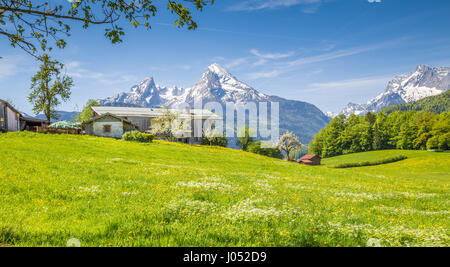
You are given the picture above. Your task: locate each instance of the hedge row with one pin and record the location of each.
(137, 136)
(370, 163)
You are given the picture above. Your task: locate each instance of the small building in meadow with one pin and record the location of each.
(310, 160)
(32, 124)
(108, 125)
(145, 119)
(9, 117)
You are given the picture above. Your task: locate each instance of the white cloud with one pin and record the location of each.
(374, 1)
(250, 5)
(357, 83)
(330, 56)
(236, 62)
(260, 62)
(279, 68)
(271, 56)
(255, 59)
(264, 74)
(12, 65)
(75, 69)
(283, 67)
(185, 67)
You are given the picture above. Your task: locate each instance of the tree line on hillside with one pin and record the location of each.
(399, 130)
(438, 103)
(287, 146)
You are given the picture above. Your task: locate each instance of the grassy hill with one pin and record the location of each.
(108, 192)
(439, 103)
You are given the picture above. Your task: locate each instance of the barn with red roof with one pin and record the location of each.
(310, 160)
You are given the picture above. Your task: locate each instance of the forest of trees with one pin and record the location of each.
(438, 103)
(398, 130)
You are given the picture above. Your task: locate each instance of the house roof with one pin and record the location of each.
(305, 161)
(108, 115)
(10, 106)
(309, 157)
(33, 120)
(155, 112)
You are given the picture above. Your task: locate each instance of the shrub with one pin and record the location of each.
(215, 141)
(137, 136)
(269, 151)
(370, 163)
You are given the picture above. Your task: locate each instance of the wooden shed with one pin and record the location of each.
(310, 160)
(31, 124)
(9, 117)
(108, 125)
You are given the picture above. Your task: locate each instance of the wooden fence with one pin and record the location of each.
(58, 131)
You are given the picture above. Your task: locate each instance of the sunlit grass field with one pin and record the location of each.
(107, 192)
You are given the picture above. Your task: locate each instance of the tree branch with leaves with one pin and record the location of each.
(33, 25)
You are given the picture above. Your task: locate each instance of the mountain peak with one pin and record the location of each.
(217, 69)
(148, 80)
(422, 68)
(145, 86)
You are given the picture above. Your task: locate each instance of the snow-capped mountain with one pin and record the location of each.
(423, 82)
(145, 94)
(218, 85)
(331, 114)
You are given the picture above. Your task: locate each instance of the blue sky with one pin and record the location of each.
(326, 52)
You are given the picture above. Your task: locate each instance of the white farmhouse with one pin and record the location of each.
(108, 125)
(122, 119)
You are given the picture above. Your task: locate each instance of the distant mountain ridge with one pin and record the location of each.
(218, 85)
(423, 82)
(63, 116)
(438, 104)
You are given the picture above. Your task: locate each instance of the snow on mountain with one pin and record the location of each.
(331, 114)
(423, 82)
(218, 85)
(145, 94)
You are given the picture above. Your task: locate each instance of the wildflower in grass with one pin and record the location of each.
(91, 189)
(207, 184)
(395, 235)
(282, 233)
(73, 242)
(373, 242)
(128, 193)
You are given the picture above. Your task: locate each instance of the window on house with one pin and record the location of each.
(106, 128)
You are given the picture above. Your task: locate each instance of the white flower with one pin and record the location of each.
(73, 242)
(373, 242)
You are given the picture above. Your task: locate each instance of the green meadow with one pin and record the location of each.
(107, 192)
